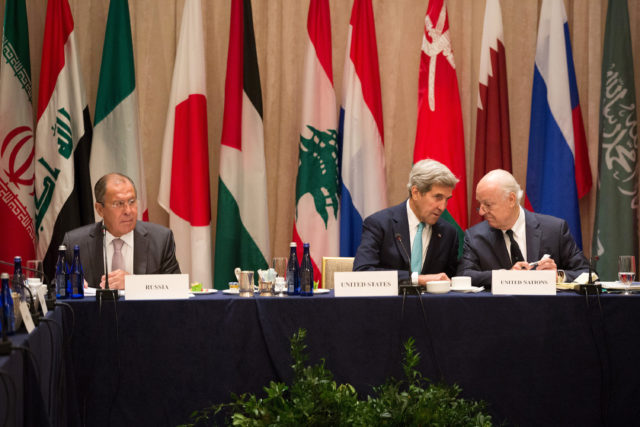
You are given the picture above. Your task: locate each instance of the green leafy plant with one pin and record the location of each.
(314, 399)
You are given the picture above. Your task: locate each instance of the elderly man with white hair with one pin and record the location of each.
(511, 238)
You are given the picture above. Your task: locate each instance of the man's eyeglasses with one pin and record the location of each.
(485, 206)
(120, 204)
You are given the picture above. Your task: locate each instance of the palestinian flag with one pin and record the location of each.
(63, 138)
(242, 229)
(17, 206)
(116, 144)
(184, 183)
(317, 186)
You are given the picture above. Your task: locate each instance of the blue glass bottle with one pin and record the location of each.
(76, 275)
(306, 273)
(293, 281)
(6, 303)
(61, 274)
(18, 279)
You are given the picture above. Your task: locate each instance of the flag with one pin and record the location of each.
(361, 133)
(116, 144)
(318, 183)
(439, 135)
(184, 181)
(557, 143)
(242, 229)
(493, 142)
(17, 207)
(63, 138)
(615, 230)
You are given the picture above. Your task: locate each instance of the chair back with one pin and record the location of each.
(332, 264)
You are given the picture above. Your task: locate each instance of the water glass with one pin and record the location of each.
(34, 264)
(280, 266)
(626, 271)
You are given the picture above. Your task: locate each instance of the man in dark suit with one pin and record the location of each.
(411, 236)
(512, 238)
(131, 245)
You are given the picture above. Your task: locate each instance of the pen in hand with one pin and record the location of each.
(533, 265)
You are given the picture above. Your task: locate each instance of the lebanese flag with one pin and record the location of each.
(558, 171)
(493, 141)
(439, 135)
(184, 179)
(364, 184)
(17, 206)
(64, 199)
(317, 186)
(116, 145)
(242, 230)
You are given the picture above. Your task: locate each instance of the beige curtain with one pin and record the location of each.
(280, 28)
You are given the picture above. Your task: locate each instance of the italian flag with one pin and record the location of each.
(317, 186)
(184, 182)
(242, 230)
(17, 206)
(64, 199)
(116, 144)
(439, 135)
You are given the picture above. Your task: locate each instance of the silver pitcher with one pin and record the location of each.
(245, 283)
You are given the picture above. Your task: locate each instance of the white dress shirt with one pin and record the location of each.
(426, 238)
(127, 250)
(519, 234)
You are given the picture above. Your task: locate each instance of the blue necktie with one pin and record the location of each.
(416, 250)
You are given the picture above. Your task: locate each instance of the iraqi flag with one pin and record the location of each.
(439, 135)
(184, 182)
(362, 170)
(63, 138)
(558, 170)
(318, 183)
(17, 207)
(493, 141)
(116, 145)
(242, 230)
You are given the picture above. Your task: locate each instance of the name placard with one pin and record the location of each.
(523, 282)
(156, 286)
(365, 283)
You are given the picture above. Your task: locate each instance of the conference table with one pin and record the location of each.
(536, 360)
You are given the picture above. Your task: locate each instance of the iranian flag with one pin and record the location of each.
(493, 141)
(242, 230)
(63, 138)
(317, 187)
(17, 206)
(116, 144)
(439, 135)
(184, 182)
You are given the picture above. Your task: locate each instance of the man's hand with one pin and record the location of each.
(521, 265)
(547, 264)
(116, 279)
(424, 278)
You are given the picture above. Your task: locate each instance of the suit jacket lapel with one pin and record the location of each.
(434, 246)
(140, 249)
(96, 254)
(534, 236)
(401, 226)
(498, 242)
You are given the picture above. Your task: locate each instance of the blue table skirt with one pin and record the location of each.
(537, 360)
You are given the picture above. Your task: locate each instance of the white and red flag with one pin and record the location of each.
(440, 135)
(317, 186)
(64, 199)
(184, 182)
(493, 141)
(17, 206)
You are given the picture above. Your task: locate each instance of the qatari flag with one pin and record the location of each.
(184, 183)
(493, 143)
(63, 198)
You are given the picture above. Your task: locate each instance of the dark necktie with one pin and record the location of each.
(516, 255)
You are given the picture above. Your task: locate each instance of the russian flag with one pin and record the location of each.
(558, 172)
(362, 170)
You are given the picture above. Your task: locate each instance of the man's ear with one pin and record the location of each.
(99, 208)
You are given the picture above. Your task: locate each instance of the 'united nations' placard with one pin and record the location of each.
(523, 282)
(156, 286)
(365, 283)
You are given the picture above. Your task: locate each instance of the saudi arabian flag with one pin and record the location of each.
(242, 230)
(615, 231)
(116, 145)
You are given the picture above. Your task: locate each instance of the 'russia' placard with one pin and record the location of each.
(523, 282)
(156, 286)
(365, 283)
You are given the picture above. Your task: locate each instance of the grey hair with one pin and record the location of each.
(506, 181)
(427, 173)
(100, 189)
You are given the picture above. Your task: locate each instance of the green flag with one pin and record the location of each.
(616, 225)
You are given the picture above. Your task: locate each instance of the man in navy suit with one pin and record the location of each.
(512, 238)
(411, 236)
